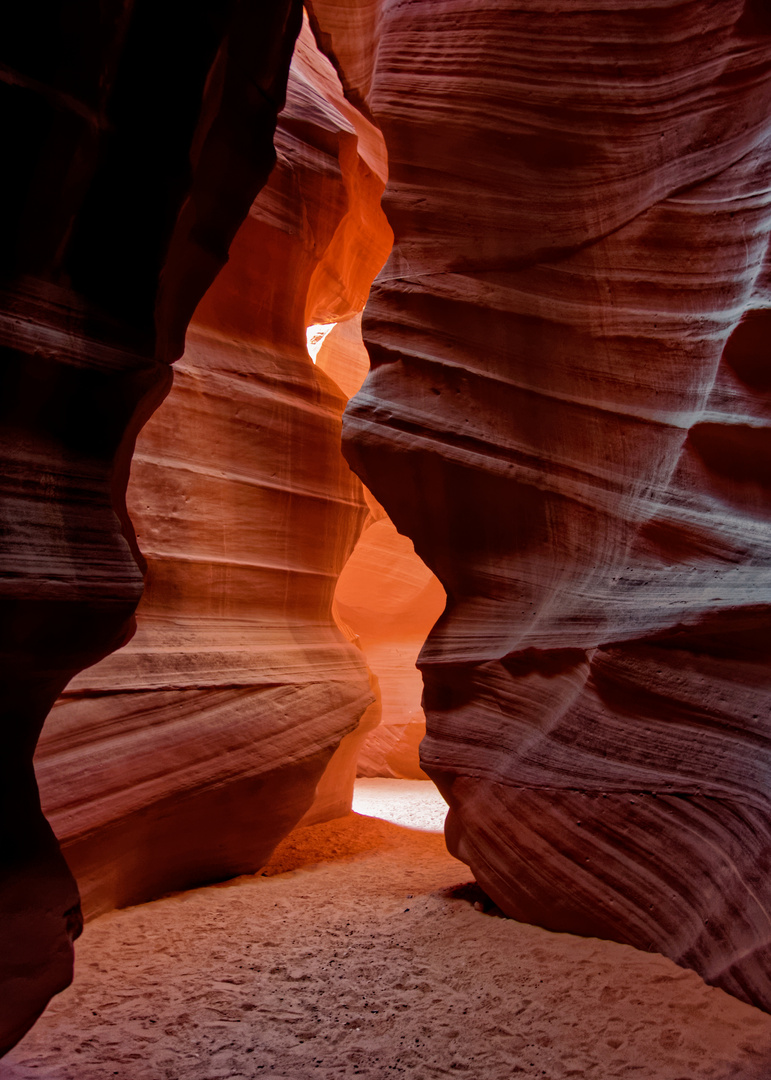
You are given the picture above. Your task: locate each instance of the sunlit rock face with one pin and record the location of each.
(187, 755)
(386, 600)
(568, 414)
(392, 600)
(116, 120)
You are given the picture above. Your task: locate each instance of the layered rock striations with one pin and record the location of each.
(188, 754)
(568, 414)
(113, 127)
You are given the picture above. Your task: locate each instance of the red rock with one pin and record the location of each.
(112, 122)
(343, 357)
(386, 599)
(391, 600)
(187, 755)
(568, 415)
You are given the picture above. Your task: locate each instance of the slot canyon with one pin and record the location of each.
(497, 538)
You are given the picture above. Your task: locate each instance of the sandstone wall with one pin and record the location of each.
(114, 122)
(391, 599)
(568, 414)
(188, 754)
(386, 599)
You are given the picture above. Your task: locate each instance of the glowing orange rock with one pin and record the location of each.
(187, 755)
(391, 599)
(387, 600)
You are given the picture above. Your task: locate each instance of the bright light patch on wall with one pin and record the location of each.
(315, 337)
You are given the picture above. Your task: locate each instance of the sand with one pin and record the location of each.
(355, 954)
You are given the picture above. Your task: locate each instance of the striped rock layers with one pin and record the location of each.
(568, 413)
(188, 754)
(114, 124)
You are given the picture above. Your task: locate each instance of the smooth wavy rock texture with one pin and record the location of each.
(114, 121)
(568, 414)
(187, 755)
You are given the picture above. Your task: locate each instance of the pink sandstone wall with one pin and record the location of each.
(567, 412)
(187, 755)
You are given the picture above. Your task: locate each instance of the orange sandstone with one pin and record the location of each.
(187, 755)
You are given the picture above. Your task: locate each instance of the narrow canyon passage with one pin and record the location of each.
(351, 956)
(543, 233)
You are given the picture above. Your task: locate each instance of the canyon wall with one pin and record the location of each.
(185, 756)
(568, 414)
(135, 138)
(386, 599)
(391, 599)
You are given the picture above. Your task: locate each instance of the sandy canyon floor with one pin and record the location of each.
(356, 954)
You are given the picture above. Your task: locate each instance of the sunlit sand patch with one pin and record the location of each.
(413, 804)
(362, 953)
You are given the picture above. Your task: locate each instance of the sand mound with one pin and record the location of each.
(358, 952)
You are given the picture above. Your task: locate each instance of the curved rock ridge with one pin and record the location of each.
(187, 755)
(568, 414)
(114, 121)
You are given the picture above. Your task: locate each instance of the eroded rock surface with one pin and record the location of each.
(386, 600)
(391, 599)
(187, 755)
(568, 413)
(113, 126)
